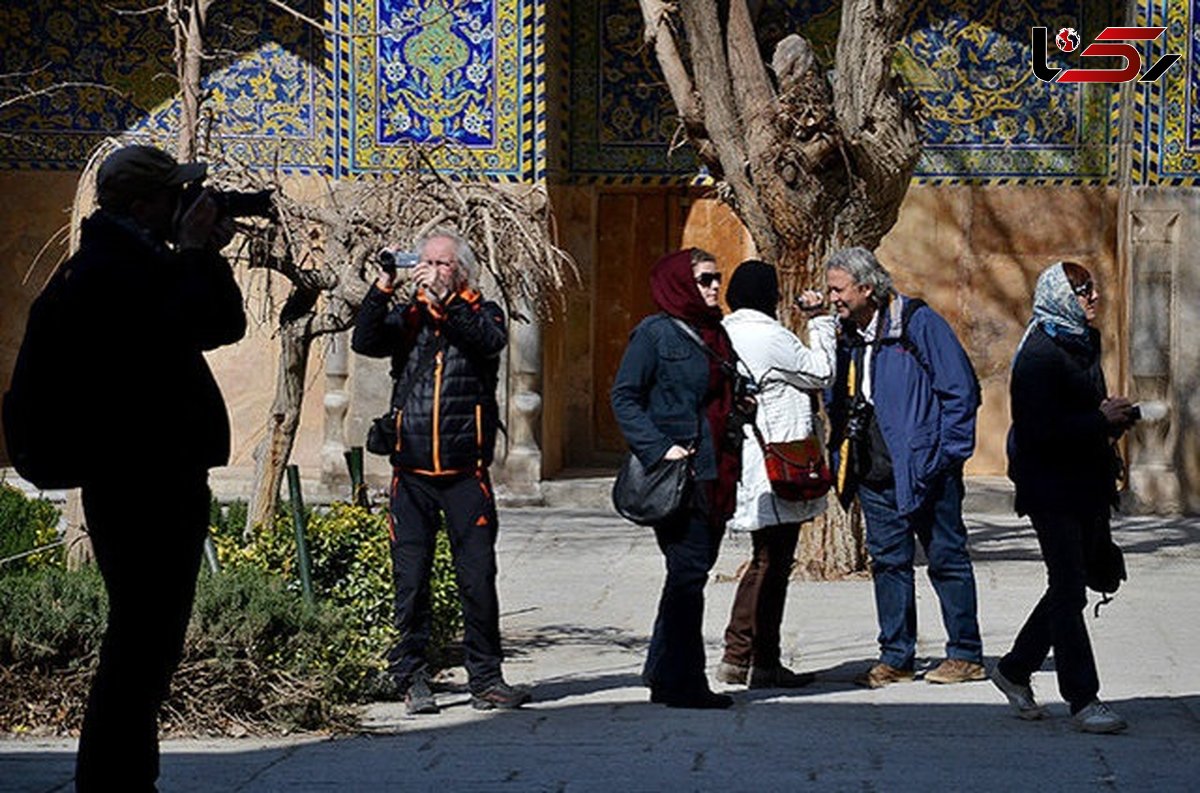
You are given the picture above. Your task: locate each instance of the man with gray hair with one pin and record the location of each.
(902, 414)
(445, 342)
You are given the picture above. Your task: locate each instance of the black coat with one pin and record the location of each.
(120, 332)
(448, 420)
(1060, 453)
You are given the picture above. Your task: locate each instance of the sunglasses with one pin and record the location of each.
(1086, 289)
(708, 279)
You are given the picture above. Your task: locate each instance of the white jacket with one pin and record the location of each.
(786, 371)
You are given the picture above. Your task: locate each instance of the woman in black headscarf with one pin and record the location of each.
(672, 399)
(788, 373)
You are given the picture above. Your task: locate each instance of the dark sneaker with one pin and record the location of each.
(779, 677)
(419, 698)
(956, 670)
(734, 674)
(1098, 718)
(1019, 696)
(501, 696)
(882, 674)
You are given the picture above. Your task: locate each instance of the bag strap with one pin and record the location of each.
(690, 332)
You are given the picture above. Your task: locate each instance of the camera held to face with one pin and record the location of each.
(390, 260)
(235, 203)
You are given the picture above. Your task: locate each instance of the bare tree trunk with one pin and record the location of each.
(79, 545)
(807, 166)
(273, 451)
(188, 18)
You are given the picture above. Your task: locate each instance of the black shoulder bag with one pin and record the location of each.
(649, 496)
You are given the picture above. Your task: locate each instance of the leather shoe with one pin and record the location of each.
(882, 674)
(701, 699)
(779, 677)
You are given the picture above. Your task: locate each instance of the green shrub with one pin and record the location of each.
(255, 655)
(25, 524)
(51, 618)
(351, 569)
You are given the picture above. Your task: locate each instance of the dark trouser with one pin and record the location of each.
(939, 526)
(675, 662)
(417, 505)
(148, 538)
(752, 636)
(1057, 620)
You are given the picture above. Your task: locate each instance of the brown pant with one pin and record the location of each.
(752, 636)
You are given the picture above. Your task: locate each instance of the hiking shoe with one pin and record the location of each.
(1098, 718)
(779, 677)
(734, 674)
(882, 674)
(1019, 696)
(956, 670)
(501, 696)
(418, 700)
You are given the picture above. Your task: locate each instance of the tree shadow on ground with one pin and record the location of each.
(1013, 539)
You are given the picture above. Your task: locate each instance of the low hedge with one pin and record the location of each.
(257, 657)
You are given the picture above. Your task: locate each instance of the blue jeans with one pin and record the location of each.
(939, 526)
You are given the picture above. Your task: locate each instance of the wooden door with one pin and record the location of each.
(633, 230)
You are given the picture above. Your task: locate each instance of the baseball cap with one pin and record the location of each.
(137, 171)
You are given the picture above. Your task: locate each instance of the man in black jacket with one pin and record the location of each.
(124, 324)
(444, 342)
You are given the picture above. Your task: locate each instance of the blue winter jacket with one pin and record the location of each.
(925, 399)
(658, 395)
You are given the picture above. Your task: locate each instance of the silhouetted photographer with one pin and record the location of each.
(111, 393)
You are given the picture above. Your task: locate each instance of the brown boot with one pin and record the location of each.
(956, 670)
(882, 674)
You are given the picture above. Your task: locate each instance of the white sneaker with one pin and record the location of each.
(1098, 718)
(1019, 696)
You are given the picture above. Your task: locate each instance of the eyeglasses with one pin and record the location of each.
(1086, 289)
(706, 280)
(439, 262)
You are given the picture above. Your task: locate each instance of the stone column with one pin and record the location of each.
(1154, 253)
(337, 401)
(522, 469)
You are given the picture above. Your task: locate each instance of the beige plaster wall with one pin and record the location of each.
(974, 254)
(36, 205)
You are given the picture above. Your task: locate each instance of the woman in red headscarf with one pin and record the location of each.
(673, 398)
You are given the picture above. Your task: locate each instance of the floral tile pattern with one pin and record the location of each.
(268, 94)
(459, 75)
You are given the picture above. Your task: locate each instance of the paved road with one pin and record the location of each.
(578, 591)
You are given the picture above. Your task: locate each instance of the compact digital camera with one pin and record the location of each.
(389, 260)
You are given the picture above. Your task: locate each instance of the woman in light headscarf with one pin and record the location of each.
(1061, 459)
(671, 398)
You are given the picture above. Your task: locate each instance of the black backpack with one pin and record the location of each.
(43, 419)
